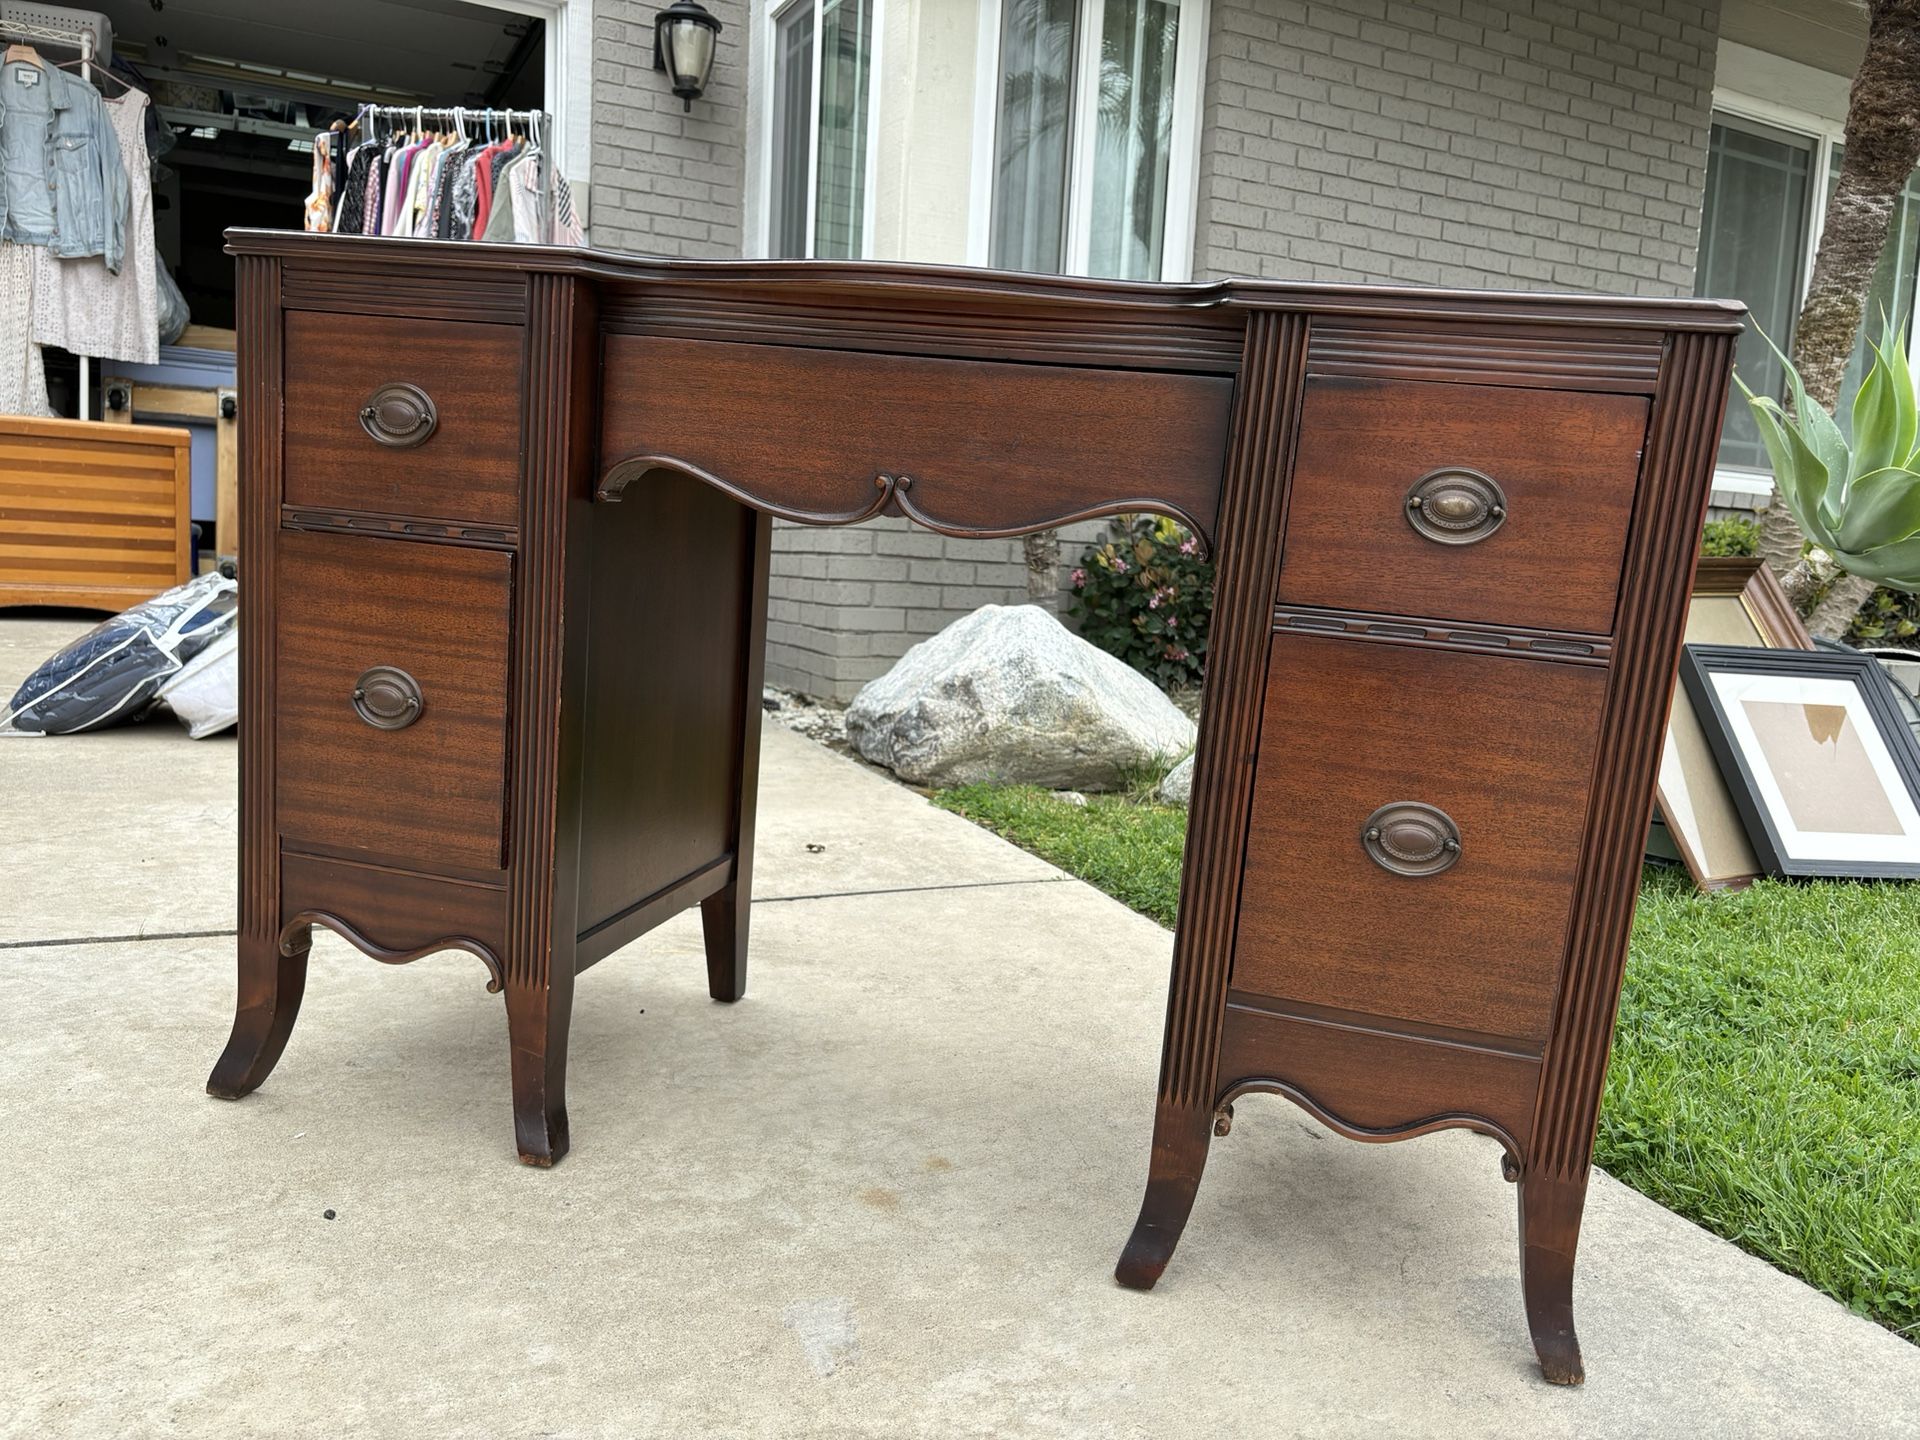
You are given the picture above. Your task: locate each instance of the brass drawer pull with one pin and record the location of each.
(399, 416)
(1411, 838)
(1456, 506)
(387, 698)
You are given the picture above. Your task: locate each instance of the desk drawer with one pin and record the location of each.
(1503, 746)
(443, 439)
(977, 447)
(1565, 464)
(429, 790)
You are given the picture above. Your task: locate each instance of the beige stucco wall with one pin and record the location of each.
(923, 158)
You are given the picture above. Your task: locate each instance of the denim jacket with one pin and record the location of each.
(62, 181)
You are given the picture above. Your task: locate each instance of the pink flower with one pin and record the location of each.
(1079, 578)
(1120, 566)
(1153, 602)
(1189, 546)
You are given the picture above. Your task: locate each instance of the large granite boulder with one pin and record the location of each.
(1177, 786)
(1009, 694)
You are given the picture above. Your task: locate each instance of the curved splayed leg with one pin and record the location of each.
(1180, 1138)
(1550, 1213)
(273, 977)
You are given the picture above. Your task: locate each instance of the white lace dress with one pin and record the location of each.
(23, 379)
(78, 305)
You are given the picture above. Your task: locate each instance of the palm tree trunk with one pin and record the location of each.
(1883, 147)
(1832, 616)
(1042, 551)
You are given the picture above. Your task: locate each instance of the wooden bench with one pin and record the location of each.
(92, 515)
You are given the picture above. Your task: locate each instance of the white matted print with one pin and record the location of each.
(1823, 772)
(1821, 765)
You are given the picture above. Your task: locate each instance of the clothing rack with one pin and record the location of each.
(473, 124)
(536, 120)
(74, 38)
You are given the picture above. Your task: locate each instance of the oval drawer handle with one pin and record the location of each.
(387, 698)
(1411, 838)
(399, 416)
(1456, 506)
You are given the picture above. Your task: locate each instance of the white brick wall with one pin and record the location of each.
(1521, 145)
(666, 181)
(843, 605)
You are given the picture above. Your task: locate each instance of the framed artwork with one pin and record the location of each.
(1735, 602)
(1821, 764)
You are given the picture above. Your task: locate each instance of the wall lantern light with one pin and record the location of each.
(683, 37)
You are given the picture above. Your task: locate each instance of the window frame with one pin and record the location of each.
(767, 44)
(1183, 156)
(1826, 135)
(568, 85)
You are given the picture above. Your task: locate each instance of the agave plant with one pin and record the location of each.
(1859, 499)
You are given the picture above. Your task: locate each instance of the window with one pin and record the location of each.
(822, 62)
(1765, 199)
(1093, 137)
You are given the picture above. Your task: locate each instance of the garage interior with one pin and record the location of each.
(239, 99)
(239, 90)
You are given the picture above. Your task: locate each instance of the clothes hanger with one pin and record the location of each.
(100, 72)
(23, 53)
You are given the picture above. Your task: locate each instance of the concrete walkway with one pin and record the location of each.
(881, 1197)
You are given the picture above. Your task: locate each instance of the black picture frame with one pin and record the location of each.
(1700, 662)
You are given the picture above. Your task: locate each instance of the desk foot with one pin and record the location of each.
(271, 984)
(1549, 1233)
(724, 916)
(1180, 1138)
(537, 1022)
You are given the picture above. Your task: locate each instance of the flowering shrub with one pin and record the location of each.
(1146, 596)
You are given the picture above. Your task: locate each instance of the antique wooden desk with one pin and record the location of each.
(1455, 535)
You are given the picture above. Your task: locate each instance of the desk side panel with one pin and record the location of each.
(666, 688)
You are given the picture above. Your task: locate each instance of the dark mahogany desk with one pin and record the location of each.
(506, 519)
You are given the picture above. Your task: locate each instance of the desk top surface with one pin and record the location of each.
(875, 283)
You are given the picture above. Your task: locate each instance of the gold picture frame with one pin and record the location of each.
(1736, 601)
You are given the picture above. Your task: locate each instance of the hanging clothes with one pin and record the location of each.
(62, 181)
(423, 184)
(526, 193)
(500, 224)
(82, 306)
(565, 228)
(23, 376)
(439, 203)
(375, 183)
(352, 208)
(398, 169)
(420, 188)
(487, 177)
(318, 215)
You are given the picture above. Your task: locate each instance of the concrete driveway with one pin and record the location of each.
(881, 1197)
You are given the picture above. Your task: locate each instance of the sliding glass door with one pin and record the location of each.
(1088, 121)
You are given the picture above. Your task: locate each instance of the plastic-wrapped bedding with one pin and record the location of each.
(112, 673)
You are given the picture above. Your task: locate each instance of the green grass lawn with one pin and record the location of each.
(1766, 1070)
